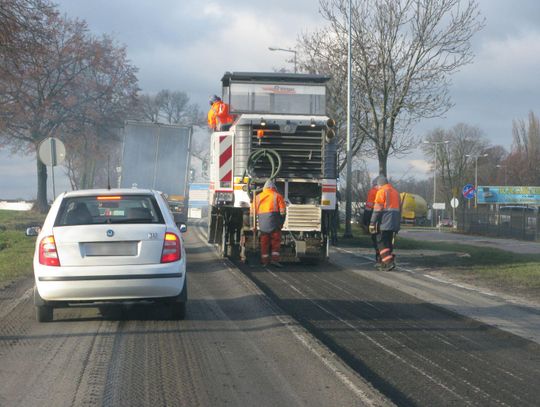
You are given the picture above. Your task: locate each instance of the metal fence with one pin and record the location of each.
(512, 222)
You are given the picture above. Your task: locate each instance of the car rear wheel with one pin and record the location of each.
(44, 313)
(178, 310)
(178, 305)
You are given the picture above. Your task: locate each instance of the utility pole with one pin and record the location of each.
(476, 157)
(436, 144)
(348, 198)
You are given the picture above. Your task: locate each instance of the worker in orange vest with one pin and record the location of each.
(366, 219)
(271, 210)
(385, 220)
(218, 115)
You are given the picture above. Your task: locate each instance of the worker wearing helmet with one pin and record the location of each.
(212, 113)
(366, 219)
(386, 220)
(218, 115)
(271, 210)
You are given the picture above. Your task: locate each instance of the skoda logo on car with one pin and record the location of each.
(110, 233)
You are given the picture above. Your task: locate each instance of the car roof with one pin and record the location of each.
(114, 191)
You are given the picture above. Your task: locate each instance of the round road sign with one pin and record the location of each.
(468, 191)
(454, 202)
(51, 151)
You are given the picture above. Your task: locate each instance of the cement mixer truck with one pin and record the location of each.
(280, 131)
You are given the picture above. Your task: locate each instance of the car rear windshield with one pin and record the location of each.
(95, 210)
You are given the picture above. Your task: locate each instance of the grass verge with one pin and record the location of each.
(16, 249)
(495, 267)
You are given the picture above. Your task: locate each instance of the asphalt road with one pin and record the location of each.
(413, 352)
(326, 335)
(236, 348)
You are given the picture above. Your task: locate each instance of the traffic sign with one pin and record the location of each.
(454, 203)
(441, 206)
(51, 151)
(469, 191)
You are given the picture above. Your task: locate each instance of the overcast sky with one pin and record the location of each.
(188, 45)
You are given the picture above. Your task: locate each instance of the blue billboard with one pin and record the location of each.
(508, 195)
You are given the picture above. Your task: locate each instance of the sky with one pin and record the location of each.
(188, 45)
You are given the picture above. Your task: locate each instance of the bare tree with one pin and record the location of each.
(171, 107)
(323, 53)
(404, 52)
(455, 165)
(522, 164)
(65, 80)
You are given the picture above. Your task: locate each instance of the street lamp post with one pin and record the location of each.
(285, 50)
(348, 199)
(476, 157)
(436, 144)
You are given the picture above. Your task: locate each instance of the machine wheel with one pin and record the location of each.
(224, 239)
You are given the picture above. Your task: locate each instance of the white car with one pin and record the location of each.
(109, 245)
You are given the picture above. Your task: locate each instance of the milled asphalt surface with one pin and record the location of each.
(445, 235)
(236, 348)
(419, 341)
(335, 334)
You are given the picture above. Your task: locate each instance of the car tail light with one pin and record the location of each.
(171, 248)
(48, 256)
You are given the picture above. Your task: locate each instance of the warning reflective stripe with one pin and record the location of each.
(225, 158)
(387, 258)
(383, 251)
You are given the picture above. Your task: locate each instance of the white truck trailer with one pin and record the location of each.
(157, 156)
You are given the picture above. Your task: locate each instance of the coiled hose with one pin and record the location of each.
(271, 155)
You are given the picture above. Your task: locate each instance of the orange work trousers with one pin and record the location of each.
(270, 242)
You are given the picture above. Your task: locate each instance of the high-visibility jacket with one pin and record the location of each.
(212, 115)
(386, 210)
(223, 115)
(370, 202)
(271, 210)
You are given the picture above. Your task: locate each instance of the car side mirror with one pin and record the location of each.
(32, 231)
(182, 227)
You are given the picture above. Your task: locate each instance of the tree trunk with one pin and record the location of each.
(41, 202)
(383, 162)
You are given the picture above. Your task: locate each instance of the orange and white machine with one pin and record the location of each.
(280, 131)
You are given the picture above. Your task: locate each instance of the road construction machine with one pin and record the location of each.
(280, 132)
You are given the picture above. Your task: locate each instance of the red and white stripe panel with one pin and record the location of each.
(225, 172)
(328, 198)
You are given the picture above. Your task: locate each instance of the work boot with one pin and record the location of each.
(276, 264)
(378, 261)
